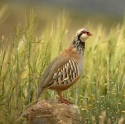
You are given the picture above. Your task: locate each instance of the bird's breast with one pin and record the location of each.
(80, 65)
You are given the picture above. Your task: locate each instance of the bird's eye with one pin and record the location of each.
(84, 31)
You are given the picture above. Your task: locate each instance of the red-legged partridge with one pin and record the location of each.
(66, 69)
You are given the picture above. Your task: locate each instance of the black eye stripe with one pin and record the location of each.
(84, 32)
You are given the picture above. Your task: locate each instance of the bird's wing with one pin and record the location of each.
(57, 63)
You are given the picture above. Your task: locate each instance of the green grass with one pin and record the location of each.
(100, 89)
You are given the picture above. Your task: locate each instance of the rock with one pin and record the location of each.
(51, 112)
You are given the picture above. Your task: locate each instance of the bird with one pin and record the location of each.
(65, 69)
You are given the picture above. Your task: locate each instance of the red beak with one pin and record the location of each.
(89, 34)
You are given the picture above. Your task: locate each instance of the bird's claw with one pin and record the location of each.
(65, 101)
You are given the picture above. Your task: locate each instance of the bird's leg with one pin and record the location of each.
(62, 99)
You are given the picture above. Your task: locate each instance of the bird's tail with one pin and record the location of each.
(40, 92)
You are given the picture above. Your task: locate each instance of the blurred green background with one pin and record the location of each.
(80, 12)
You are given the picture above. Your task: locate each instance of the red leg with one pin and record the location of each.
(62, 98)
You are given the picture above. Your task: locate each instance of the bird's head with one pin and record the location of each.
(83, 34)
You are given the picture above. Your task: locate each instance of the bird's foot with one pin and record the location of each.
(65, 101)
